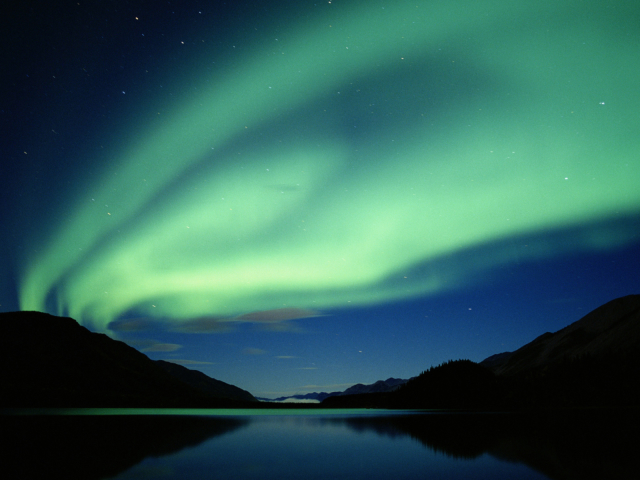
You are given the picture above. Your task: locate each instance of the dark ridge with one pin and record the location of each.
(611, 329)
(592, 363)
(202, 382)
(495, 360)
(49, 361)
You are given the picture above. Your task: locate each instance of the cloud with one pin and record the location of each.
(297, 400)
(204, 325)
(279, 319)
(132, 324)
(285, 356)
(197, 325)
(180, 361)
(253, 351)
(278, 315)
(288, 326)
(161, 347)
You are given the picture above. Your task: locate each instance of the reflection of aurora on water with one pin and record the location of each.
(323, 169)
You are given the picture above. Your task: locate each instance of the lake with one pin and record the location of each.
(317, 444)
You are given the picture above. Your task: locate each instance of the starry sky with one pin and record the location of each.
(298, 196)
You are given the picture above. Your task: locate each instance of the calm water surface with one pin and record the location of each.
(246, 444)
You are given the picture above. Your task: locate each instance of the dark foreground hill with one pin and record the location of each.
(611, 330)
(49, 361)
(457, 384)
(594, 362)
(203, 383)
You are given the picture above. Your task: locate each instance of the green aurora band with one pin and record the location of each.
(457, 125)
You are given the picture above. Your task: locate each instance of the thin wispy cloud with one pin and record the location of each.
(180, 361)
(203, 325)
(278, 315)
(140, 324)
(253, 351)
(162, 347)
(298, 400)
(277, 320)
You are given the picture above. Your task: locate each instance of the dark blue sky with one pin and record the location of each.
(301, 196)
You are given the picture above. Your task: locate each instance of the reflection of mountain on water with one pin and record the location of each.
(575, 445)
(561, 445)
(459, 436)
(93, 447)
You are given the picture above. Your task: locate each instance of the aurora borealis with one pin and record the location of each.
(275, 175)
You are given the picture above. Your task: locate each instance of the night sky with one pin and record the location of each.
(298, 196)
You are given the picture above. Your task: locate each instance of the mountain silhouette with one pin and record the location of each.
(611, 329)
(594, 362)
(49, 361)
(387, 385)
(203, 383)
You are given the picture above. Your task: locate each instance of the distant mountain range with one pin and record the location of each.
(48, 361)
(388, 385)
